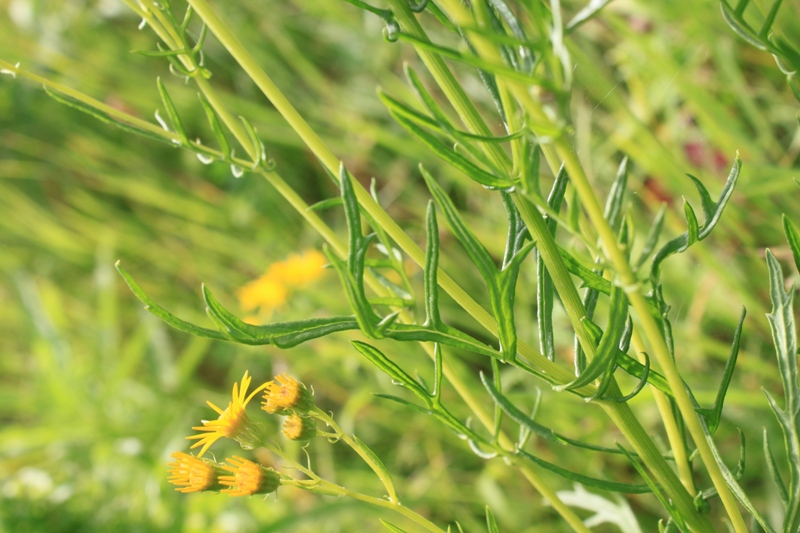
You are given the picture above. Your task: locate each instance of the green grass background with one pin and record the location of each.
(95, 393)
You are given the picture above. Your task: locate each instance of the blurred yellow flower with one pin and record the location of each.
(299, 269)
(248, 478)
(271, 290)
(265, 292)
(233, 422)
(192, 474)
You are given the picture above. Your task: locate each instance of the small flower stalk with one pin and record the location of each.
(287, 396)
(299, 428)
(247, 478)
(193, 474)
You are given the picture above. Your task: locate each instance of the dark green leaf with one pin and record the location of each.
(165, 315)
(455, 159)
(714, 414)
(326, 204)
(793, 237)
(391, 369)
(775, 471)
(613, 486)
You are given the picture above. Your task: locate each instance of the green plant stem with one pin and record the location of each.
(387, 483)
(620, 413)
(674, 436)
(335, 490)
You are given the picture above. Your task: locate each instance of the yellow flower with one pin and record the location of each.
(248, 478)
(299, 428)
(299, 269)
(192, 474)
(271, 290)
(286, 396)
(233, 422)
(265, 292)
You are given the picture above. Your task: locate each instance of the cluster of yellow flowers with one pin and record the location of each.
(265, 294)
(238, 476)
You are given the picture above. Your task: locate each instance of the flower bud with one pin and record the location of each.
(287, 396)
(299, 428)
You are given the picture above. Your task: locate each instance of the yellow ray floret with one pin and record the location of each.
(191, 474)
(248, 478)
(233, 422)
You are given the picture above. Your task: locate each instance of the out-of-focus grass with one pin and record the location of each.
(95, 393)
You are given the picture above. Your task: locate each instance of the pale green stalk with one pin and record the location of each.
(625, 274)
(339, 434)
(315, 483)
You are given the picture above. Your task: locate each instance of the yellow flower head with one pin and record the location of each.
(233, 422)
(299, 428)
(192, 474)
(265, 292)
(299, 269)
(286, 396)
(248, 478)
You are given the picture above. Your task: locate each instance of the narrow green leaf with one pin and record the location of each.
(172, 113)
(406, 403)
(391, 527)
(656, 490)
(544, 284)
(589, 11)
(279, 334)
(105, 117)
(589, 278)
(733, 484)
(216, 125)
(443, 334)
(713, 415)
(491, 523)
(652, 236)
(694, 228)
(793, 237)
(770, 19)
(453, 158)
(431, 284)
(386, 475)
(605, 358)
(740, 28)
(165, 315)
(326, 204)
(391, 369)
(640, 385)
(475, 249)
(613, 486)
(682, 242)
(493, 68)
(775, 471)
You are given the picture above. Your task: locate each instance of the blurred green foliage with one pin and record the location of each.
(95, 393)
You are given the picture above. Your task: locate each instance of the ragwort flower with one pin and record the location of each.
(248, 478)
(233, 422)
(192, 474)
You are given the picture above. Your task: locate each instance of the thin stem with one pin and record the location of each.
(387, 483)
(674, 436)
